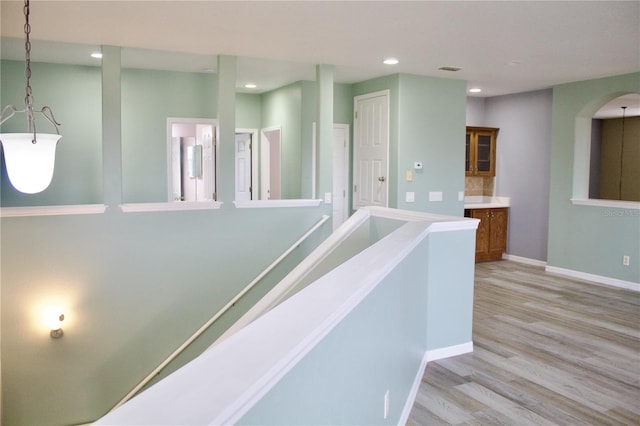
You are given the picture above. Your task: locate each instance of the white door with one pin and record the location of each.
(243, 166)
(340, 174)
(371, 150)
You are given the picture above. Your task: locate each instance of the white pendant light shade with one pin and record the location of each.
(29, 165)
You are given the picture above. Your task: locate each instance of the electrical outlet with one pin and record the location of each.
(386, 404)
(625, 260)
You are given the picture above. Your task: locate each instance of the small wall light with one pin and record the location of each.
(54, 317)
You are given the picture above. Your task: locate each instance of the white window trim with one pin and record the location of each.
(257, 204)
(78, 209)
(170, 207)
(621, 204)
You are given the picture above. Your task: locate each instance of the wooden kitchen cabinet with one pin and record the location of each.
(480, 151)
(491, 236)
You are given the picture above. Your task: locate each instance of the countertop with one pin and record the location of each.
(482, 202)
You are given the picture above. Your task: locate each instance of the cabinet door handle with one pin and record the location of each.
(381, 179)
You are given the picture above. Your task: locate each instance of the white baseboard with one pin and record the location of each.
(525, 260)
(428, 357)
(408, 405)
(449, 351)
(599, 279)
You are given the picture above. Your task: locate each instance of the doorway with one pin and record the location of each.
(270, 158)
(191, 159)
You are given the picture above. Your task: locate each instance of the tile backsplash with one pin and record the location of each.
(474, 185)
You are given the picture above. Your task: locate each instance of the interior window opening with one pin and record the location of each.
(192, 159)
(614, 168)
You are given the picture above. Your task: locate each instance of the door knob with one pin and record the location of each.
(381, 178)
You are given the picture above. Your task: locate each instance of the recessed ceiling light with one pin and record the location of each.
(250, 85)
(96, 55)
(391, 61)
(451, 69)
(475, 90)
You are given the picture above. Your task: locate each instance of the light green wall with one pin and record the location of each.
(427, 123)
(248, 111)
(588, 239)
(283, 107)
(308, 116)
(431, 129)
(149, 97)
(343, 104)
(134, 286)
(387, 333)
(73, 93)
(333, 384)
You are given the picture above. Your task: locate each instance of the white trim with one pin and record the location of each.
(314, 160)
(449, 351)
(170, 207)
(413, 392)
(256, 204)
(78, 209)
(441, 222)
(429, 356)
(634, 205)
(598, 279)
(525, 260)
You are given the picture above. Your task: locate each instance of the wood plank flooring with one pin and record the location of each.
(548, 350)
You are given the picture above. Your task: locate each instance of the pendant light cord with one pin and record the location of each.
(624, 110)
(10, 110)
(28, 98)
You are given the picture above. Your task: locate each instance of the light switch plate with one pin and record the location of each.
(410, 197)
(435, 196)
(409, 176)
(327, 198)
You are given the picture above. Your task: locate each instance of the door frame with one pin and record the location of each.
(345, 171)
(254, 160)
(265, 161)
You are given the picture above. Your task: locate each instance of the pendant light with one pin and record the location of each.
(30, 156)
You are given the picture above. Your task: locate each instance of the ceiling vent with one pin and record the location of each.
(451, 69)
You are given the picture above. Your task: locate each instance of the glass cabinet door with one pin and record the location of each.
(467, 155)
(480, 151)
(483, 153)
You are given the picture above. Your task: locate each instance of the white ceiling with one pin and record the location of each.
(502, 46)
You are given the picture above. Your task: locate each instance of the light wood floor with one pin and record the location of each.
(547, 350)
